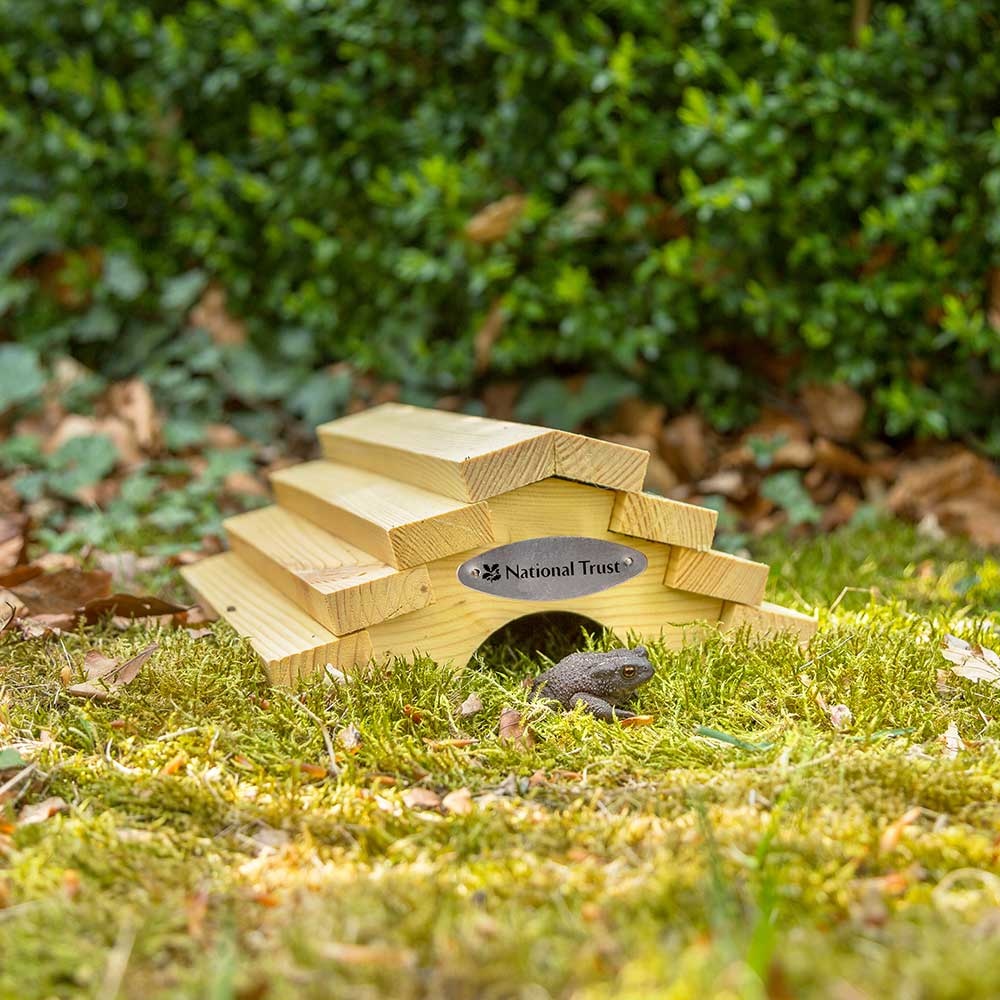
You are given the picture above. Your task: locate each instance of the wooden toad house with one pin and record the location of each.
(422, 531)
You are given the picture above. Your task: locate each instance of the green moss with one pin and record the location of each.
(643, 862)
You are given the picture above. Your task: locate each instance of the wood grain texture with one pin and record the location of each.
(400, 524)
(464, 457)
(290, 643)
(461, 619)
(769, 619)
(717, 574)
(601, 463)
(659, 519)
(342, 587)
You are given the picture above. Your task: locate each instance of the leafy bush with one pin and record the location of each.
(697, 196)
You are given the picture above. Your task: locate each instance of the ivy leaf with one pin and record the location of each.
(182, 292)
(11, 759)
(21, 376)
(82, 461)
(123, 277)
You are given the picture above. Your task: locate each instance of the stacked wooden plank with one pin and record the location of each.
(358, 557)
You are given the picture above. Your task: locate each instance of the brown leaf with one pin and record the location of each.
(132, 401)
(835, 410)
(422, 798)
(20, 574)
(39, 812)
(471, 705)
(102, 683)
(494, 222)
(314, 770)
(212, 316)
(922, 486)
(639, 416)
(62, 592)
(175, 764)
(42, 626)
(893, 833)
(684, 445)
(637, 720)
(486, 336)
(459, 743)
(836, 458)
(128, 606)
(458, 802)
(13, 538)
(513, 730)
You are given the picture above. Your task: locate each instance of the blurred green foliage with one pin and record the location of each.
(707, 184)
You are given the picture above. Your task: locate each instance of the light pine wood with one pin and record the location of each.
(464, 457)
(461, 619)
(717, 574)
(601, 463)
(401, 524)
(659, 519)
(342, 587)
(769, 619)
(291, 644)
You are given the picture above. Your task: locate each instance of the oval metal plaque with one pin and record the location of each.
(552, 568)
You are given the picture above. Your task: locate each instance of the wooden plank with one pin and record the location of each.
(717, 574)
(400, 524)
(601, 463)
(460, 619)
(464, 457)
(662, 520)
(291, 644)
(769, 619)
(342, 587)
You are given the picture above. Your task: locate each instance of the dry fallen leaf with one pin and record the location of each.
(835, 410)
(175, 764)
(132, 401)
(893, 833)
(13, 538)
(62, 592)
(422, 798)
(458, 743)
(976, 663)
(637, 720)
(953, 743)
(105, 676)
(212, 316)
(486, 336)
(494, 222)
(128, 606)
(38, 812)
(471, 705)
(513, 730)
(458, 802)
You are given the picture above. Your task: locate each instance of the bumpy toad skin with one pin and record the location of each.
(598, 681)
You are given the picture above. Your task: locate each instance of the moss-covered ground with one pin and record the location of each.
(207, 853)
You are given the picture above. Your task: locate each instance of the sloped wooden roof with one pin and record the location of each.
(348, 544)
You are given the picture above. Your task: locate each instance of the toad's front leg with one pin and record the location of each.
(599, 707)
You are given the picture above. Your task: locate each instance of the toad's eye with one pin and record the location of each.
(628, 670)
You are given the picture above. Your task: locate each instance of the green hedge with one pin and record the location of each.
(716, 192)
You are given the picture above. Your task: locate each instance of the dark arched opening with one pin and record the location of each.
(554, 634)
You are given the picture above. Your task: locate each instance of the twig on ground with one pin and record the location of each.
(17, 779)
(328, 742)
